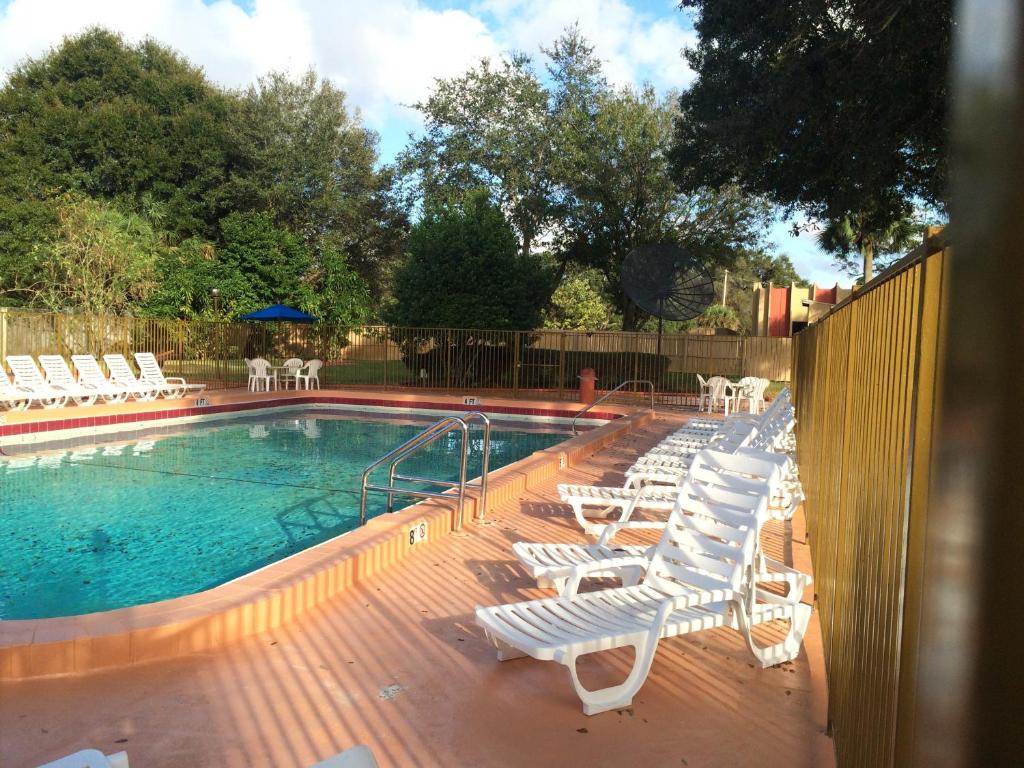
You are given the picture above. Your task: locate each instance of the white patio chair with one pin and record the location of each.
(12, 397)
(260, 375)
(718, 392)
(752, 390)
(703, 383)
(291, 368)
(172, 387)
(311, 375)
(700, 575)
(28, 378)
(89, 372)
(58, 374)
(90, 758)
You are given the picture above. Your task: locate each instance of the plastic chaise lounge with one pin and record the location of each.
(113, 391)
(741, 473)
(699, 576)
(28, 378)
(12, 397)
(58, 374)
(90, 758)
(172, 387)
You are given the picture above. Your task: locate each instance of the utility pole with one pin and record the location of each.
(725, 287)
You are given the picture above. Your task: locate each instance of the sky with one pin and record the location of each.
(385, 54)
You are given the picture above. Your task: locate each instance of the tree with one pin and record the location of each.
(488, 128)
(621, 195)
(579, 303)
(302, 157)
(837, 109)
(98, 261)
(850, 237)
(465, 270)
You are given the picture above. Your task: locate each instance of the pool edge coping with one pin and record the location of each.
(278, 593)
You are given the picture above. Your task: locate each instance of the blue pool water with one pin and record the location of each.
(137, 518)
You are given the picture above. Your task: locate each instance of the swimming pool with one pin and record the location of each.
(134, 518)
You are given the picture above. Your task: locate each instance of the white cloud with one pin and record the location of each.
(810, 261)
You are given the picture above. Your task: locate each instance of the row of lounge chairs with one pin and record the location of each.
(707, 569)
(56, 385)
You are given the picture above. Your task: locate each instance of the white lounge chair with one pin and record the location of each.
(58, 374)
(90, 758)
(90, 373)
(12, 397)
(28, 378)
(172, 387)
(121, 373)
(700, 575)
(311, 375)
(744, 474)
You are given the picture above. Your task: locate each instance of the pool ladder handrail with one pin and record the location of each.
(431, 434)
(611, 392)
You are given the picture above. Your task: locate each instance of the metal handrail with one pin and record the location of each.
(611, 392)
(428, 436)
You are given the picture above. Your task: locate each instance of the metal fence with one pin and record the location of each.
(519, 362)
(865, 380)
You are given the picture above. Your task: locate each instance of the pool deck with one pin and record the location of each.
(396, 662)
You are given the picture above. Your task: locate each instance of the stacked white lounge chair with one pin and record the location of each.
(55, 385)
(707, 569)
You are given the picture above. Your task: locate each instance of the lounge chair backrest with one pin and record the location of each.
(5, 382)
(26, 373)
(149, 367)
(119, 368)
(57, 371)
(700, 551)
(89, 370)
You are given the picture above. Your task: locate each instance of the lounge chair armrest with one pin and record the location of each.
(581, 571)
(781, 573)
(612, 528)
(174, 379)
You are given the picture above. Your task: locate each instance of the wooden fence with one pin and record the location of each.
(543, 361)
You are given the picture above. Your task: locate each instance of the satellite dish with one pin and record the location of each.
(667, 282)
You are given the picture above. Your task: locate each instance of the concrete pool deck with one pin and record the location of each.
(396, 662)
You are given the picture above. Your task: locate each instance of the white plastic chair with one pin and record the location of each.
(289, 374)
(752, 390)
(700, 575)
(718, 392)
(703, 391)
(260, 375)
(121, 373)
(311, 375)
(90, 374)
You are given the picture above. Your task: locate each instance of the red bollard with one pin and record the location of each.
(587, 378)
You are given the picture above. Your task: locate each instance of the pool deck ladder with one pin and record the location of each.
(431, 434)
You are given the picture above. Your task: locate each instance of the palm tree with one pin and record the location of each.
(857, 235)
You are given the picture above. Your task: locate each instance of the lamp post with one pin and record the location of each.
(215, 293)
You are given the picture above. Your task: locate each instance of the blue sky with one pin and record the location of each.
(385, 54)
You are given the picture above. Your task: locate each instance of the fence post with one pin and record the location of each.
(561, 365)
(517, 340)
(3, 334)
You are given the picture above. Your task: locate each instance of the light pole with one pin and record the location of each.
(215, 292)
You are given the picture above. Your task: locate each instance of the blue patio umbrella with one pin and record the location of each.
(279, 313)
